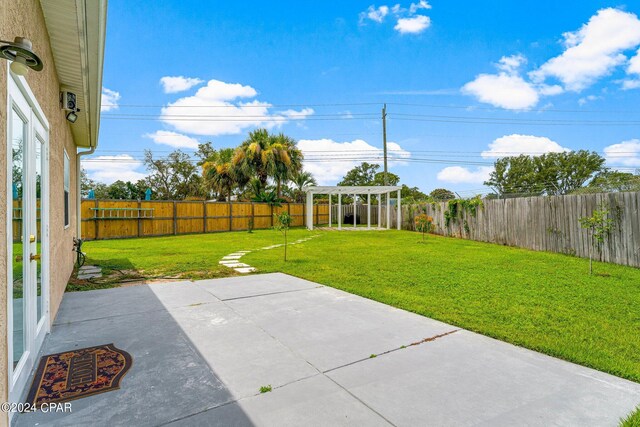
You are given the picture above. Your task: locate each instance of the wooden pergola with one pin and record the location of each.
(354, 191)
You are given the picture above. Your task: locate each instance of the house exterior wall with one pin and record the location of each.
(24, 18)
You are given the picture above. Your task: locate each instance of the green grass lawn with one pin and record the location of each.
(633, 420)
(543, 301)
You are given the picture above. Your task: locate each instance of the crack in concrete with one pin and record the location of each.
(402, 347)
(272, 293)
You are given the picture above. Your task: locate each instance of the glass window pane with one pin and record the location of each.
(38, 147)
(17, 230)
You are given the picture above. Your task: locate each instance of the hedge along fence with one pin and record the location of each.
(118, 219)
(543, 223)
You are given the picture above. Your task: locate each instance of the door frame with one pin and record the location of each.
(20, 94)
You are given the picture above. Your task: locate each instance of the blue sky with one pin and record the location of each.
(465, 82)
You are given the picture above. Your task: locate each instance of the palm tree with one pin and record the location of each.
(287, 160)
(267, 156)
(300, 180)
(220, 173)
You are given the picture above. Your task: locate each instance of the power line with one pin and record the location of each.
(404, 104)
(515, 120)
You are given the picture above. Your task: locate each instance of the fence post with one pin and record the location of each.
(175, 218)
(230, 215)
(139, 220)
(272, 215)
(253, 217)
(204, 216)
(95, 220)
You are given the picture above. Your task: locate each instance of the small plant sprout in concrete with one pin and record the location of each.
(599, 226)
(265, 388)
(424, 223)
(282, 223)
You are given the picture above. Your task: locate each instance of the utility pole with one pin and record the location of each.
(384, 141)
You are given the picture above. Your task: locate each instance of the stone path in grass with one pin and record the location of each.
(233, 260)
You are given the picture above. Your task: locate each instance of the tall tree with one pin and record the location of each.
(175, 177)
(220, 174)
(286, 160)
(442, 195)
(610, 181)
(263, 155)
(360, 175)
(551, 173)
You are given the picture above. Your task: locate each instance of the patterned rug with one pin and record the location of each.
(79, 373)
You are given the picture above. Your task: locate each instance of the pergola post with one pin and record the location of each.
(339, 211)
(355, 200)
(329, 210)
(379, 210)
(309, 210)
(388, 195)
(369, 210)
(399, 217)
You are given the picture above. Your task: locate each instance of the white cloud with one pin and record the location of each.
(626, 153)
(634, 64)
(511, 64)
(414, 25)
(110, 99)
(590, 98)
(630, 84)
(550, 90)
(173, 139)
(503, 90)
(108, 169)
(178, 83)
(593, 51)
(460, 175)
(339, 157)
(515, 144)
(633, 68)
(375, 14)
(422, 4)
(407, 19)
(211, 111)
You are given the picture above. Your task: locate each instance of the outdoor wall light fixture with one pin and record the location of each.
(72, 116)
(22, 57)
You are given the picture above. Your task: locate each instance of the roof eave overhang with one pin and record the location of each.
(77, 33)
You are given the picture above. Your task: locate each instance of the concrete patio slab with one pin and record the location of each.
(315, 401)
(168, 377)
(467, 379)
(331, 328)
(243, 356)
(249, 286)
(202, 350)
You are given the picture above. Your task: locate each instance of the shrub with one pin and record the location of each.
(424, 224)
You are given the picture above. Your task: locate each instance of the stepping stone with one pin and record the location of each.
(243, 252)
(236, 265)
(89, 269)
(89, 276)
(232, 257)
(236, 254)
(245, 270)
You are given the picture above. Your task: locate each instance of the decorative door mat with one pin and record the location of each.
(79, 373)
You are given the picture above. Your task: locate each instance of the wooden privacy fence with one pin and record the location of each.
(544, 224)
(117, 219)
